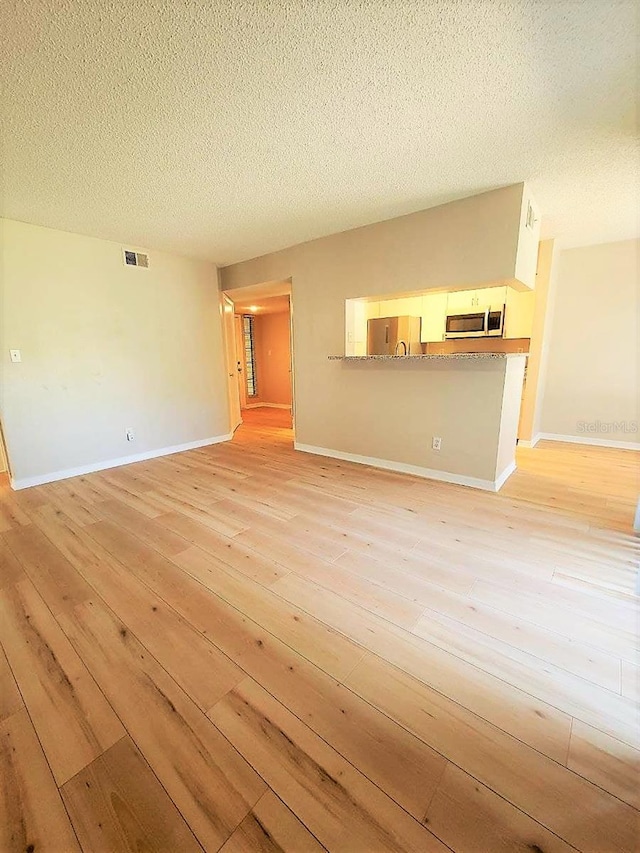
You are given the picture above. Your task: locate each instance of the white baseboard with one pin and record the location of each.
(267, 406)
(52, 477)
(404, 468)
(596, 442)
(502, 479)
(522, 442)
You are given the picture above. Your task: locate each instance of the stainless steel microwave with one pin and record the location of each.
(475, 324)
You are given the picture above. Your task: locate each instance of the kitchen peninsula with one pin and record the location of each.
(470, 401)
(447, 356)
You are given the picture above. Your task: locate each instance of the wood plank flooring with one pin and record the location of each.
(244, 648)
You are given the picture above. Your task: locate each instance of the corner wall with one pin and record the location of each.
(104, 348)
(387, 412)
(591, 392)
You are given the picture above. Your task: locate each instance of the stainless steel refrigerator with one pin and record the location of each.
(394, 336)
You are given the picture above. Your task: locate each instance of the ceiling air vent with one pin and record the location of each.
(135, 259)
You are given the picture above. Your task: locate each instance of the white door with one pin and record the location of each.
(233, 383)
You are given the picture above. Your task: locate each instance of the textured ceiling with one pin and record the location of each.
(228, 129)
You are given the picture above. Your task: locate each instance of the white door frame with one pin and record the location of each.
(240, 360)
(292, 364)
(233, 377)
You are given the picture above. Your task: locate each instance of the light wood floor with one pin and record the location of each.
(251, 649)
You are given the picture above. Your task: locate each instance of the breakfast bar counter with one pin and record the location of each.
(444, 416)
(451, 356)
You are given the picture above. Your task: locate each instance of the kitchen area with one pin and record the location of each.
(440, 323)
(490, 319)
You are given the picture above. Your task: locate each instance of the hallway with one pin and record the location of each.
(263, 417)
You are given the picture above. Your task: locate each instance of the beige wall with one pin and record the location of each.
(390, 410)
(594, 344)
(466, 243)
(273, 358)
(104, 348)
(470, 243)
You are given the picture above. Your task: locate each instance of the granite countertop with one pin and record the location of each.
(451, 356)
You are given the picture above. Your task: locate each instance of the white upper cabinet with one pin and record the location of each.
(518, 320)
(462, 301)
(493, 297)
(434, 316)
(433, 307)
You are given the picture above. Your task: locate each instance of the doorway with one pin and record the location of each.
(233, 366)
(262, 365)
(5, 470)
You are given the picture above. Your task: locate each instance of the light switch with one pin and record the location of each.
(15, 355)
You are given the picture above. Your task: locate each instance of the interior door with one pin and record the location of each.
(233, 377)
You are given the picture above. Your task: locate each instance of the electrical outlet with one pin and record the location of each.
(436, 443)
(130, 435)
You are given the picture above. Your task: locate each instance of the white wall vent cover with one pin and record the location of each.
(135, 259)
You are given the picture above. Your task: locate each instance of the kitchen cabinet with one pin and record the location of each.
(433, 307)
(463, 301)
(434, 316)
(413, 306)
(518, 321)
(492, 297)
